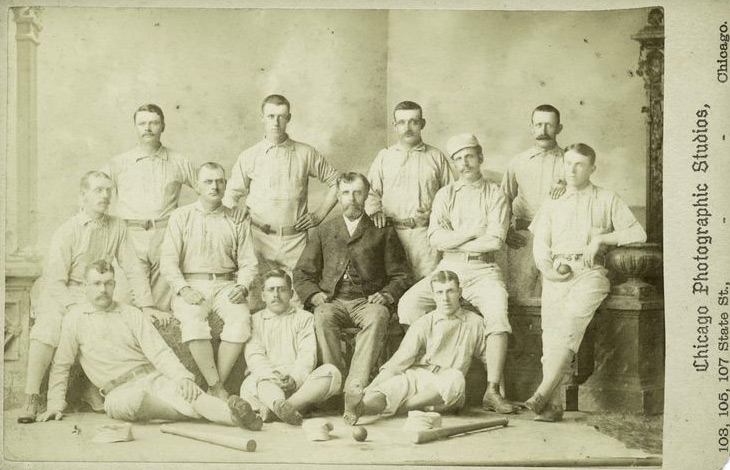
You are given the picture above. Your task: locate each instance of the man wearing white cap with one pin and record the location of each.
(468, 224)
(532, 177)
(404, 179)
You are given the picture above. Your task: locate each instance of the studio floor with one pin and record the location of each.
(524, 442)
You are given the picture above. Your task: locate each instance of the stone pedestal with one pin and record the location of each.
(628, 373)
(20, 274)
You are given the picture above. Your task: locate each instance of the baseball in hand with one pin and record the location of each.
(564, 269)
(359, 434)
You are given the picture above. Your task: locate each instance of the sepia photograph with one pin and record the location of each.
(286, 236)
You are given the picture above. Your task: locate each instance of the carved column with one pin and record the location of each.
(651, 69)
(22, 263)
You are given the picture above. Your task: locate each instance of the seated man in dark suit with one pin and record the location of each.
(352, 272)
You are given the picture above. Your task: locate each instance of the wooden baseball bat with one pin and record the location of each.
(211, 437)
(429, 435)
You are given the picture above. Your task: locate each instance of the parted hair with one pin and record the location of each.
(547, 108)
(443, 277)
(350, 177)
(150, 108)
(583, 149)
(407, 105)
(84, 183)
(276, 100)
(101, 266)
(280, 273)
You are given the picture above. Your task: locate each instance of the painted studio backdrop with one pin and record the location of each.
(343, 71)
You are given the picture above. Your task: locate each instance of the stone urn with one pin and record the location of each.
(635, 262)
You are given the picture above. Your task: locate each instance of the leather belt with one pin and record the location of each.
(270, 229)
(467, 257)
(146, 224)
(600, 259)
(210, 276)
(126, 377)
(409, 223)
(522, 224)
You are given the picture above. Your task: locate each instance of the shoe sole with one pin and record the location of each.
(244, 414)
(26, 420)
(287, 413)
(353, 401)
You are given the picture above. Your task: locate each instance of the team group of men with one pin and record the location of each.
(412, 241)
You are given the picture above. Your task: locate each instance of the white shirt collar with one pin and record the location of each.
(352, 224)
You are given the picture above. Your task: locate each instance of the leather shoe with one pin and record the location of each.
(550, 414)
(32, 405)
(536, 403)
(493, 401)
(353, 404)
(242, 414)
(287, 413)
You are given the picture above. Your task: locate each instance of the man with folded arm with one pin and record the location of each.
(468, 224)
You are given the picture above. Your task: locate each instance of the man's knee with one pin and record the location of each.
(453, 387)
(325, 315)
(125, 405)
(377, 316)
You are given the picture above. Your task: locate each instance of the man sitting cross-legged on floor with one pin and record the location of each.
(282, 355)
(429, 367)
(122, 353)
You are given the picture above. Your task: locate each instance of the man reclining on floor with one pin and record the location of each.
(122, 353)
(428, 370)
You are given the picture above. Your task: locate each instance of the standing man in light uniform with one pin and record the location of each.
(572, 235)
(148, 181)
(272, 178)
(404, 179)
(468, 224)
(208, 259)
(532, 177)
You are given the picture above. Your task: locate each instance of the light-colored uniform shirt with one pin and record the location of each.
(112, 343)
(80, 241)
(275, 180)
(197, 241)
(148, 186)
(529, 178)
(568, 224)
(466, 206)
(284, 343)
(438, 340)
(404, 182)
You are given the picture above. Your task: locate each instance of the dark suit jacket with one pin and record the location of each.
(376, 254)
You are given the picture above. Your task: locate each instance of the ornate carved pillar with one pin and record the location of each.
(651, 69)
(22, 263)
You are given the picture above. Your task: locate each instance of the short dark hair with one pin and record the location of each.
(407, 105)
(350, 177)
(442, 277)
(583, 149)
(278, 273)
(150, 108)
(212, 166)
(546, 108)
(101, 266)
(276, 100)
(84, 183)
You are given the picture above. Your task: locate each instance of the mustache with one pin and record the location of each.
(544, 137)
